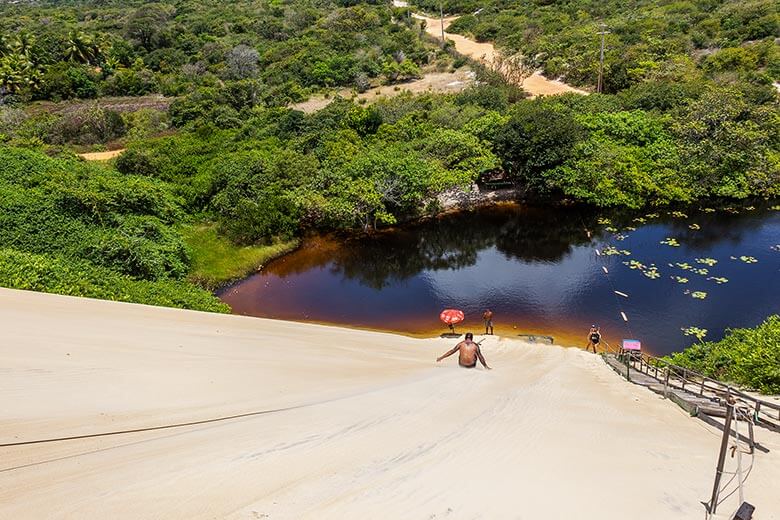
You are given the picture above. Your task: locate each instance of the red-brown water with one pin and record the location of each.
(536, 268)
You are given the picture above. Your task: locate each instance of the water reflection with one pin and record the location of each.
(536, 268)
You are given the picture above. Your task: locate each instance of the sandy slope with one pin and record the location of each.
(381, 431)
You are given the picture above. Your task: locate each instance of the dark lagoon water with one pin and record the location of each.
(538, 270)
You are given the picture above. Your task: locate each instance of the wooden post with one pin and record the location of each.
(628, 368)
(701, 392)
(724, 444)
(666, 383)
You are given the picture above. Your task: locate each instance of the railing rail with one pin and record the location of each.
(675, 376)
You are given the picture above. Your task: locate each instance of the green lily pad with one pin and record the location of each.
(678, 214)
(748, 259)
(694, 227)
(670, 242)
(706, 261)
(603, 221)
(680, 279)
(695, 331)
(718, 279)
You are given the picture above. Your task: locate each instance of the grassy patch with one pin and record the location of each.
(217, 261)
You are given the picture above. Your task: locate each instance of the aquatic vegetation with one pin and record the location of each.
(775, 208)
(652, 272)
(695, 332)
(683, 265)
(670, 242)
(635, 264)
(750, 208)
(731, 210)
(680, 279)
(718, 279)
(706, 261)
(640, 220)
(612, 250)
(694, 227)
(748, 259)
(699, 295)
(621, 237)
(708, 210)
(630, 228)
(611, 229)
(603, 221)
(652, 215)
(700, 270)
(678, 214)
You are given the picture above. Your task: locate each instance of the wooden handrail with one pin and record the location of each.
(675, 376)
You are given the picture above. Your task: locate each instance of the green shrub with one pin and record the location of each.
(747, 357)
(50, 274)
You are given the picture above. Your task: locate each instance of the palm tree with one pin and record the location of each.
(23, 44)
(81, 48)
(16, 73)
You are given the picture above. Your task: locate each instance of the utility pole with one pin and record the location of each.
(603, 33)
(441, 19)
(712, 507)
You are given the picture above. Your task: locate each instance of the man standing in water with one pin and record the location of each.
(487, 316)
(469, 353)
(594, 338)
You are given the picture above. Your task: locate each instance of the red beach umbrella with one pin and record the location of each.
(451, 317)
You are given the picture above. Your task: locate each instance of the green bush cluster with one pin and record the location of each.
(81, 229)
(747, 357)
(47, 273)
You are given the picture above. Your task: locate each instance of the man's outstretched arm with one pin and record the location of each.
(448, 354)
(482, 358)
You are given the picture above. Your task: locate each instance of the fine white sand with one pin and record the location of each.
(379, 430)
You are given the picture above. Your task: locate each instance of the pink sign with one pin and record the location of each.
(632, 344)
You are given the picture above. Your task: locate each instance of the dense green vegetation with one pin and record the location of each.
(273, 51)
(649, 40)
(73, 228)
(748, 357)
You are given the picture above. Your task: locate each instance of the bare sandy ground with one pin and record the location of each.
(101, 156)
(374, 428)
(431, 82)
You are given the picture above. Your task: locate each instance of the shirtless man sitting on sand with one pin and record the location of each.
(469, 352)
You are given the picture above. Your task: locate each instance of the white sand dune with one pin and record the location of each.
(379, 430)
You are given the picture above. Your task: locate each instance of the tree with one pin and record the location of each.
(537, 137)
(81, 48)
(242, 62)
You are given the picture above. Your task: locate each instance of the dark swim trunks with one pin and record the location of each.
(469, 366)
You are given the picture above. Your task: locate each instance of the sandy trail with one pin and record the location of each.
(449, 82)
(536, 84)
(101, 156)
(381, 430)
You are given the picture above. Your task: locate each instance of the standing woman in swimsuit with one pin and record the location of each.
(594, 338)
